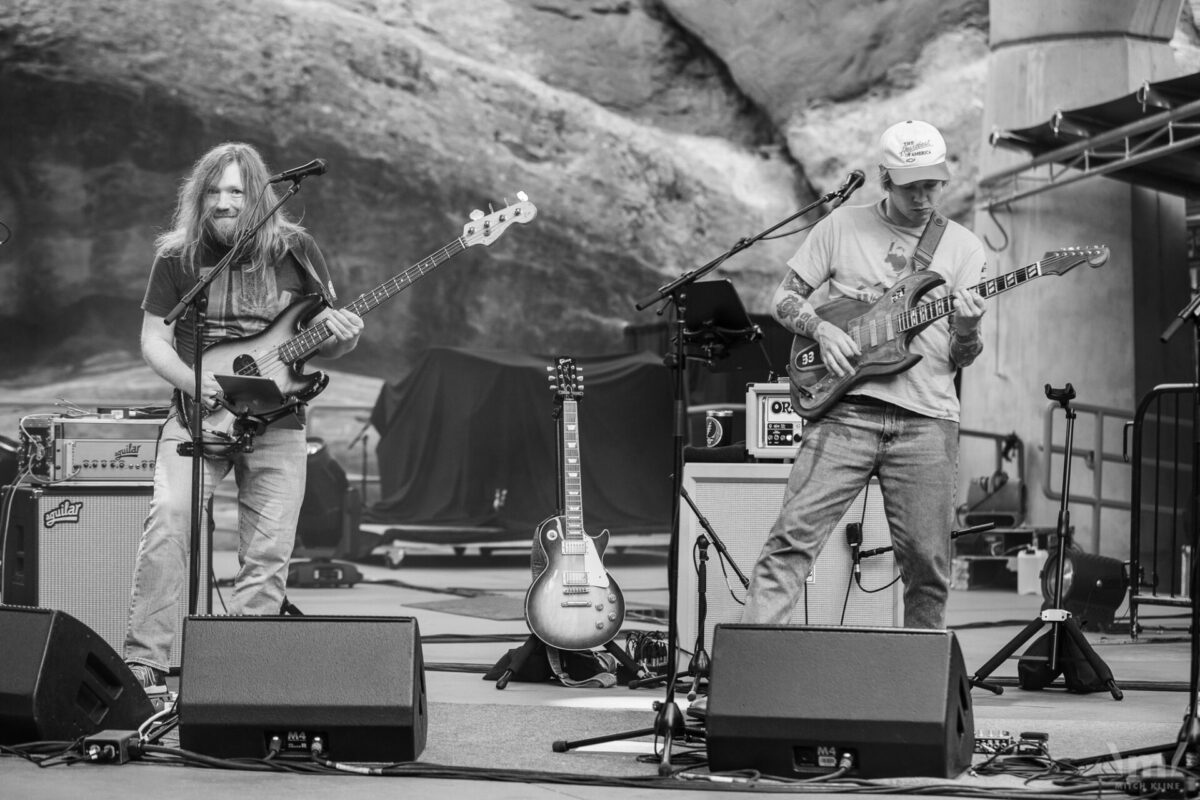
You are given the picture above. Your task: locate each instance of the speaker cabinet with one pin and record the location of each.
(60, 681)
(741, 502)
(355, 685)
(795, 701)
(73, 549)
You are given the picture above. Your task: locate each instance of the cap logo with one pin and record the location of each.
(911, 151)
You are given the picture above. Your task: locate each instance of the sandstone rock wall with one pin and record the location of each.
(651, 134)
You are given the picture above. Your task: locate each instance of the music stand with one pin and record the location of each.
(257, 400)
(716, 324)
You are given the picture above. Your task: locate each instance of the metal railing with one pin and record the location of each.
(1095, 458)
(1160, 539)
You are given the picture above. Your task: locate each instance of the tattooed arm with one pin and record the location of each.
(794, 311)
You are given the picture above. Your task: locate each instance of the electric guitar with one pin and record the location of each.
(883, 329)
(574, 604)
(280, 351)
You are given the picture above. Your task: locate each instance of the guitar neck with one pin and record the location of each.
(921, 315)
(306, 343)
(572, 474)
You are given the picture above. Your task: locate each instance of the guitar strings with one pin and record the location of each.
(272, 363)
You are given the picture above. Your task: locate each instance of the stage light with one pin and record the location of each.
(1093, 586)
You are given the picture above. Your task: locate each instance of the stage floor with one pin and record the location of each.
(467, 607)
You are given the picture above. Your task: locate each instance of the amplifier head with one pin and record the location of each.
(773, 429)
(89, 448)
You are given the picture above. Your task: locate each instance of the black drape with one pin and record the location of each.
(468, 439)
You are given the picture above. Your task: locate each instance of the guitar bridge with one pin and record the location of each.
(576, 603)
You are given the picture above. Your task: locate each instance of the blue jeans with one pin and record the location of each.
(916, 460)
(270, 482)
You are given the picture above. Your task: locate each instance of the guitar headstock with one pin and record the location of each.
(566, 379)
(486, 228)
(1057, 262)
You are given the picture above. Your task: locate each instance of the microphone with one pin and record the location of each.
(853, 181)
(315, 167)
(854, 539)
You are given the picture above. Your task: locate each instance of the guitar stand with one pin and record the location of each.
(1059, 620)
(531, 645)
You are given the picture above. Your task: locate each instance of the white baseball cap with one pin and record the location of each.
(914, 151)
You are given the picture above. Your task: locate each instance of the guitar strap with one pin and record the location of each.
(922, 257)
(603, 679)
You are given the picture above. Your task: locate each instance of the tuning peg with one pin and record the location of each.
(522, 197)
(477, 214)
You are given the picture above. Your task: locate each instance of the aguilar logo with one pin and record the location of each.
(66, 511)
(130, 450)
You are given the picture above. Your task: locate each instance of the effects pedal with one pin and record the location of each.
(990, 742)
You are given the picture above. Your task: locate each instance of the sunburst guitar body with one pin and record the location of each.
(573, 603)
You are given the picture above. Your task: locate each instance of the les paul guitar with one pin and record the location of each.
(574, 604)
(884, 329)
(280, 351)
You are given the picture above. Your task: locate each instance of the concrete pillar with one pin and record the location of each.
(1090, 328)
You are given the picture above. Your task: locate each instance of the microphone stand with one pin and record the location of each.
(197, 298)
(699, 668)
(668, 723)
(878, 551)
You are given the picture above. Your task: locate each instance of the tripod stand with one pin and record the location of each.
(1060, 621)
(1186, 746)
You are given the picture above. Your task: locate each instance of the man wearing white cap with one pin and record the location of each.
(901, 428)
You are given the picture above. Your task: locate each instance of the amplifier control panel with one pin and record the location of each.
(773, 429)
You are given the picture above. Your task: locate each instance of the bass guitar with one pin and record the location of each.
(280, 351)
(883, 329)
(573, 604)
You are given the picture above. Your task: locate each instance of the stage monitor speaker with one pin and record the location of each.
(355, 684)
(73, 549)
(795, 701)
(741, 502)
(59, 680)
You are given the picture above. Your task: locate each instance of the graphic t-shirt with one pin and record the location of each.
(241, 301)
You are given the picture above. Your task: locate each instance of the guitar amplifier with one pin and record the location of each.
(73, 549)
(89, 449)
(773, 428)
(741, 502)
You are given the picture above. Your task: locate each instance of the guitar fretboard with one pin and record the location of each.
(870, 334)
(573, 536)
(305, 343)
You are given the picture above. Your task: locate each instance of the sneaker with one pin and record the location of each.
(147, 677)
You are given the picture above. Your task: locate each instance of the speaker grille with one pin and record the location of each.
(741, 502)
(74, 550)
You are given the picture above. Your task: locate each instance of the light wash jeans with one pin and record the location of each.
(916, 460)
(270, 482)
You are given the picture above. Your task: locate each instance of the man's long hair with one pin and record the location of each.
(189, 225)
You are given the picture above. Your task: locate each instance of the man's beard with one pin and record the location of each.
(223, 229)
